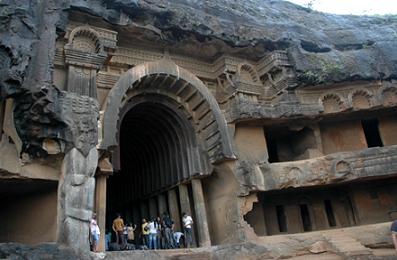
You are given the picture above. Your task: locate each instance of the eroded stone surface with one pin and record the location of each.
(313, 48)
(76, 198)
(322, 47)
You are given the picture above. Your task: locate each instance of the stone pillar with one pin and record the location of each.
(162, 204)
(184, 199)
(76, 191)
(174, 209)
(144, 211)
(105, 169)
(185, 205)
(152, 208)
(100, 207)
(201, 214)
(136, 215)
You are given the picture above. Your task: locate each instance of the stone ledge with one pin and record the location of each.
(333, 168)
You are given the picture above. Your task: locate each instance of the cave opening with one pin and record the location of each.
(158, 153)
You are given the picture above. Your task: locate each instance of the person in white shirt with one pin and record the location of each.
(177, 238)
(187, 226)
(152, 234)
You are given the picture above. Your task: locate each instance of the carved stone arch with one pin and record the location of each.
(167, 79)
(85, 39)
(361, 99)
(247, 73)
(332, 103)
(388, 96)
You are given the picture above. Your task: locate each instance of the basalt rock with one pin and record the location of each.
(323, 48)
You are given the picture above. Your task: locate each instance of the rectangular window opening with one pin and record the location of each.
(330, 213)
(371, 132)
(271, 148)
(307, 224)
(281, 218)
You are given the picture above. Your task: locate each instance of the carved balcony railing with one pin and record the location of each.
(378, 162)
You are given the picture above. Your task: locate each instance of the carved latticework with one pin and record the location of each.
(247, 80)
(277, 73)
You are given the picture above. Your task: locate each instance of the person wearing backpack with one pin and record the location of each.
(168, 224)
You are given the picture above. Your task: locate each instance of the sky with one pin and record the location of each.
(358, 7)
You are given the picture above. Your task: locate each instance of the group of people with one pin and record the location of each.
(159, 233)
(155, 233)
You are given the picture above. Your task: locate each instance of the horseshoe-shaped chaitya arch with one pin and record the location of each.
(166, 78)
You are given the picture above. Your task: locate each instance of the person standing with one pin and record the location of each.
(125, 234)
(187, 225)
(94, 232)
(394, 234)
(168, 224)
(160, 244)
(118, 227)
(130, 233)
(145, 233)
(152, 234)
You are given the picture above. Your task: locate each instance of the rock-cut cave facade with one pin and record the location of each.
(258, 119)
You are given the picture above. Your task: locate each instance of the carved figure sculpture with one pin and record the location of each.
(76, 198)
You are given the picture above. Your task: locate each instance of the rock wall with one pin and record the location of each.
(322, 47)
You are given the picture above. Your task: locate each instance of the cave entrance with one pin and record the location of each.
(158, 150)
(162, 131)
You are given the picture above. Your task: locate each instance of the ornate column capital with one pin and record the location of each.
(105, 167)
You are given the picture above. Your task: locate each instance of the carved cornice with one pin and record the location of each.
(351, 97)
(87, 60)
(333, 168)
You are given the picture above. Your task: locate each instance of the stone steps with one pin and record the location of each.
(347, 246)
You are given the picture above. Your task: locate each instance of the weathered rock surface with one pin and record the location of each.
(16, 251)
(322, 47)
(319, 247)
(76, 198)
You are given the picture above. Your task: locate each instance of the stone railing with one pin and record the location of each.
(333, 168)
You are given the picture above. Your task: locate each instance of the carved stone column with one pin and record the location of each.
(201, 214)
(144, 210)
(174, 210)
(162, 204)
(185, 204)
(152, 208)
(76, 198)
(105, 169)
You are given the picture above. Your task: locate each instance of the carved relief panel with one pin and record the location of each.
(84, 55)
